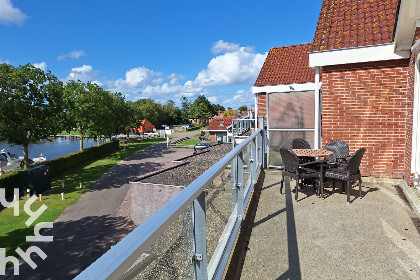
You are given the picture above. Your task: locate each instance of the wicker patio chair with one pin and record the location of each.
(297, 171)
(341, 154)
(340, 150)
(299, 143)
(347, 172)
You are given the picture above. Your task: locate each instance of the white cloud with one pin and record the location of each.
(84, 73)
(224, 47)
(236, 66)
(241, 97)
(73, 54)
(158, 81)
(239, 66)
(41, 65)
(10, 14)
(213, 99)
(139, 77)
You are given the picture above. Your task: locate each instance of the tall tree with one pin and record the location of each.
(243, 108)
(172, 113)
(151, 111)
(185, 107)
(201, 108)
(31, 106)
(218, 108)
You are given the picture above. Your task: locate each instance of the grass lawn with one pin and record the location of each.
(189, 143)
(13, 230)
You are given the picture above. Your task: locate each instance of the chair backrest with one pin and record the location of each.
(355, 160)
(290, 160)
(339, 148)
(299, 143)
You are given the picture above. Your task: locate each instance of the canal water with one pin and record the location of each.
(49, 149)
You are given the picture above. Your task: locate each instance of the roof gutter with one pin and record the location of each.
(361, 54)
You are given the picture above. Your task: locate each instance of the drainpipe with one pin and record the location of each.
(317, 110)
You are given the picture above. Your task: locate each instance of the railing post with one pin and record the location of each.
(263, 143)
(199, 234)
(251, 160)
(237, 183)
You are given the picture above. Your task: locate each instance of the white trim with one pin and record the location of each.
(284, 88)
(356, 55)
(415, 149)
(317, 110)
(408, 14)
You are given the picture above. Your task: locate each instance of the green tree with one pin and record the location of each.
(172, 113)
(31, 106)
(185, 107)
(243, 108)
(151, 111)
(130, 117)
(80, 108)
(229, 112)
(104, 122)
(201, 108)
(218, 108)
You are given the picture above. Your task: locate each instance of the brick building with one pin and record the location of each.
(218, 129)
(366, 77)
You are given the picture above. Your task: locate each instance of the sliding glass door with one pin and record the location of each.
(290, 115)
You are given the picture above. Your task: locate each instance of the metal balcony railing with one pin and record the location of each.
(199, 224)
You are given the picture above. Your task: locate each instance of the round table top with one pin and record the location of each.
(312, 152)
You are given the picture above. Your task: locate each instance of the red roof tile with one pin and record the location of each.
(221, 123)
(355, 23)
(286, 65)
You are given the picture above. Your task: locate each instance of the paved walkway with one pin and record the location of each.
(88, 228)
(376, 237)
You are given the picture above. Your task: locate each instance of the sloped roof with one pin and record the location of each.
(216, 124)
(355, 23)
(286, 65)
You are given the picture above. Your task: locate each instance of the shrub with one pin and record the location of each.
(9, 181)
(66, 162)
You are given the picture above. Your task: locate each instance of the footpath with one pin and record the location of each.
(92, 225)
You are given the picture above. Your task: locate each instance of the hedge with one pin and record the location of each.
(57, 166)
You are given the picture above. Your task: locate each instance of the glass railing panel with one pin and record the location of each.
(170, 256)
(219, 201)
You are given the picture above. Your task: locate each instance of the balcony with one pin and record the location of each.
(233, 223)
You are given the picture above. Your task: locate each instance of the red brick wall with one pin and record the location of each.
(370, 105)
(262, 106)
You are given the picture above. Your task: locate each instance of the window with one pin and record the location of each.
(222, 122)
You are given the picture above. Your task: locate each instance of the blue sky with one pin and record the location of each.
(155, 49)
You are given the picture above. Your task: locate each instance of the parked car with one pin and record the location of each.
(187, 126)
(201, 146)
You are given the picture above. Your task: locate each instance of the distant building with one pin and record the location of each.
(218, 129)
(145, 127)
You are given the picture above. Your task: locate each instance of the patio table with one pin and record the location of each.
(312, 152)
(315, 153)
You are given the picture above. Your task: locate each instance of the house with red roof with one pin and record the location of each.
(219, 129)
(286, 95)
(145, 127)
(364, 63)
